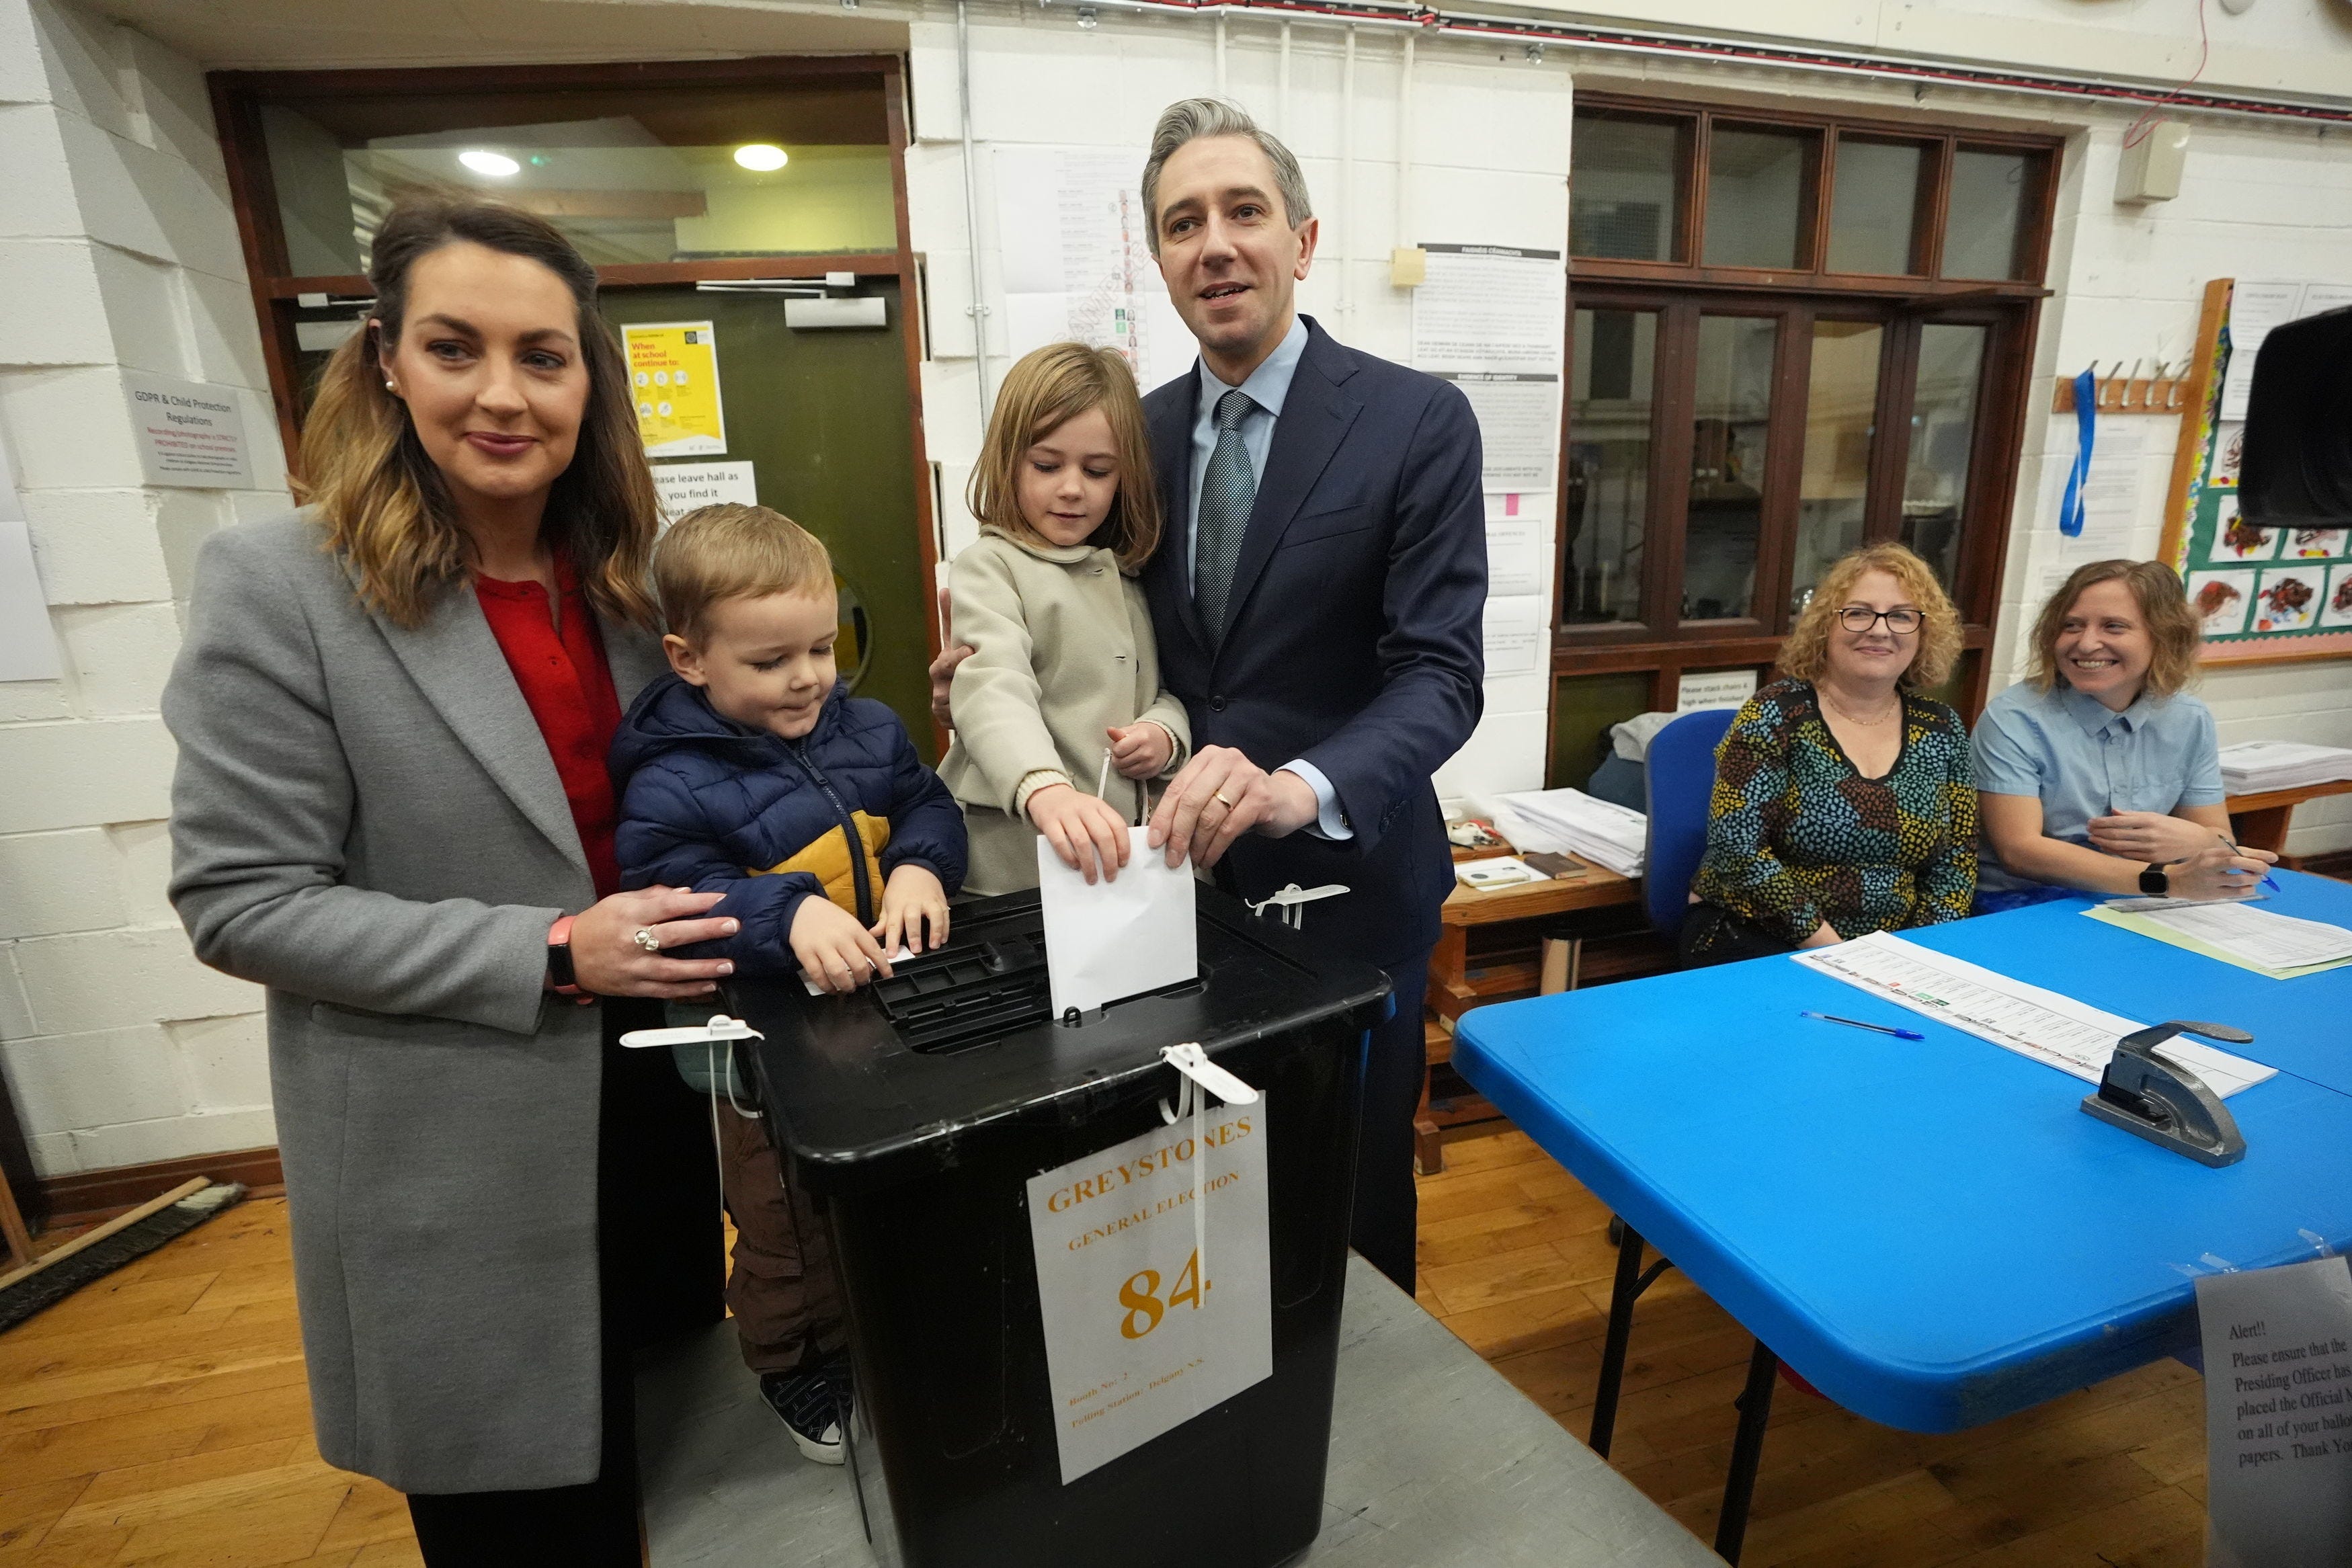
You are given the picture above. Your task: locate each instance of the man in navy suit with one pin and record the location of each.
(1316, 597)
(1317, 601)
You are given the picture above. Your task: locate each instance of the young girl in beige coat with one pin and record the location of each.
(1064, 671)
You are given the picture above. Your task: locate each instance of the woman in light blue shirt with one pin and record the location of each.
(2099, 773)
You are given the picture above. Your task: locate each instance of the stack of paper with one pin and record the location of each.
(2279, 946)
(1573, 823)
(2254, 767)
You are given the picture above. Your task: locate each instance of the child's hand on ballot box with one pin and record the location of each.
(911, 900)
(1086, 832)
(835, 953)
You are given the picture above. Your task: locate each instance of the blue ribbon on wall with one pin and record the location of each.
(2086, 419)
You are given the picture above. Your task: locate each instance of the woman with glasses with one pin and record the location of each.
(1842, 802)
(2099, 772)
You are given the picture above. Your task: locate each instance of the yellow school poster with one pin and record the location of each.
(674, 371)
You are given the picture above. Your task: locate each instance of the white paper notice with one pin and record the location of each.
(1516, 530)
(1077, 259)
(1519, 424)
(683, 487)
(1714, 689)
(2278, 1415)
(2254, 309)
(1514, 639)
(1491, 307)
(1136, 1342)
(189, 434)
(2111, 491)
(2053, 1029)
(1117, 939)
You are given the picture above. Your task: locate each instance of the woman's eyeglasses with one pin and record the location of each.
(1901, 622)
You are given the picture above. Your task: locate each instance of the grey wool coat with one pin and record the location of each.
(366, 820)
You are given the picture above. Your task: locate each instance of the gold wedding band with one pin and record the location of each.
(1220, 799)
(646, 939)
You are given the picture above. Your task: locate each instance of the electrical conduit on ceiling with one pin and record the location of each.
(1738, 51)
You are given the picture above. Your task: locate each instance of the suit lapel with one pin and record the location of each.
(1171, 460)
(457, 664)
(1316, 418)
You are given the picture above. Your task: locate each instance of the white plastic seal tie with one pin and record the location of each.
(1293, 901)
(720, 1028)
(1202, 1079)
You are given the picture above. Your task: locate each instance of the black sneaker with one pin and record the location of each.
(804, 1402)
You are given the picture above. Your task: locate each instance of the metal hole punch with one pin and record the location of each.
(2161, 1101)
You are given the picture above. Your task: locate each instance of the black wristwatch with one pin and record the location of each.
(2154, 883)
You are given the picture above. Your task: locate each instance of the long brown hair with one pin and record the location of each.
(387, 512)
(2172, 626)
(1049, 387)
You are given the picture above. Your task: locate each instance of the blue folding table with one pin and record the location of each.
(1931, 1233)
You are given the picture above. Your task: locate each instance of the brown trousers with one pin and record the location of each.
(781, 1290)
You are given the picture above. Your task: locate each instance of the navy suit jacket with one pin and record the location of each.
(1356, 637)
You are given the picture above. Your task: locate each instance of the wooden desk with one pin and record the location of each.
(2260, 821)
(1453, 989)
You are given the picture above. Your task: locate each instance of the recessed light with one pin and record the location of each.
(483, 161)
(761, 157)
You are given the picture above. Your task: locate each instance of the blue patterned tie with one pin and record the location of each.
(1227, 492)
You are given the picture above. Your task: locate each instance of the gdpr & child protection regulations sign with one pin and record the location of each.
(1149, 1318)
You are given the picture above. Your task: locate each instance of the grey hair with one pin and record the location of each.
(1194, 118)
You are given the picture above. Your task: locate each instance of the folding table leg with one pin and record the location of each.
(1747, 1449)
(1622, 1296)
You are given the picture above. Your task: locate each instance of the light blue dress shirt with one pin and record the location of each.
(1267, 387)
(2084, 760)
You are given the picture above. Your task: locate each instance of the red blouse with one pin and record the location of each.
(569, 687)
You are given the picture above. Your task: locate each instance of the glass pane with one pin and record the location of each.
(1625, 187)
(1986, 211)
(637, 175)
(1756, 196)
(1943, 430)
(1872, 207)
(1610, 389)
(1732, 410)
(1841, 411)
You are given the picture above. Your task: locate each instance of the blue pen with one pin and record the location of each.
(1857, 1023)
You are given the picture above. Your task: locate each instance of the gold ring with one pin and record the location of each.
(1220, 799)
(647, 940)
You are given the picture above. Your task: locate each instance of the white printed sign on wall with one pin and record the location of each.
(1140, 1336)
(189, 434)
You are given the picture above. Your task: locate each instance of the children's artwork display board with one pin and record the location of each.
(2263, 594)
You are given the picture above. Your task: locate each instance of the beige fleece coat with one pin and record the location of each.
(1062, 650)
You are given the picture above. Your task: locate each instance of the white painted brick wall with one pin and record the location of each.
(116, 227)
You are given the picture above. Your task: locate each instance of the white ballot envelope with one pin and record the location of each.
(1117, 939)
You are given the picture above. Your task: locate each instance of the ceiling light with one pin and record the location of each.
(761, 157)
(482, 162)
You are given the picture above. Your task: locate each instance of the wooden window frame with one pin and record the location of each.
(1662, 643)
(237, 97)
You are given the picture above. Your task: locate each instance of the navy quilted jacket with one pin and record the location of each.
(716, 806)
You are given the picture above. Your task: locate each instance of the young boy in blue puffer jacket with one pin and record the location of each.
(749, 770)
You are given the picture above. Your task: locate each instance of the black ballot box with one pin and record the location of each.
(915, 1113)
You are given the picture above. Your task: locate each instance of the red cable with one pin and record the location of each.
(2147, 122)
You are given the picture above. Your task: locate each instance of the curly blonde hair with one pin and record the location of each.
(1806, 652)
(2172, 624)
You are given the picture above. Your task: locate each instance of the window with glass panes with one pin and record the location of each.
(1790, 335)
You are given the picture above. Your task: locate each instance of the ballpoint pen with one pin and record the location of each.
(2269, 883)
(1857, 1023)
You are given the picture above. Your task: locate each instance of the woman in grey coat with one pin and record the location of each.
(391, 811)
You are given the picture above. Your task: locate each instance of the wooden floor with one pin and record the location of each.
(158, 1417)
